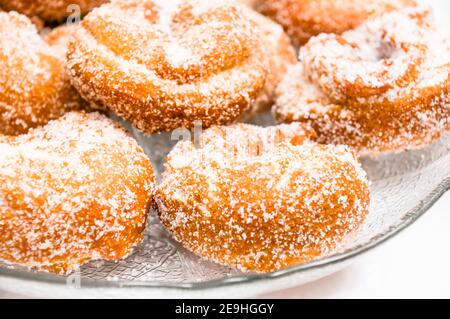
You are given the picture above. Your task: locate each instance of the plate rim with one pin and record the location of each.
(411, 217)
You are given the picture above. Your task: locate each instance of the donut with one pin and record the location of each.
(303, 19)
(383, 87)
(34, 85)
(59, 38)
(49, 10)
(279, 53)
(261, 199)
(75, 190)
(162, 65)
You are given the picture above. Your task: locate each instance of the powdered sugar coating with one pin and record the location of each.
(381, 87)
(34, 86)
(303, 19)
(249, 3)
(279, 53)
(176, 62)
(72, 191)
(261, 198)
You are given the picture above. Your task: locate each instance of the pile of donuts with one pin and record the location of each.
(342, 78)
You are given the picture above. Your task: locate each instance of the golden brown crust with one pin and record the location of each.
(249, 3)
(59, 38)
(261, 198)
(72, 191)
(176, 62)
(303, 19)
(49, 10)
(383, 87)
(35, 87)
(280, 54)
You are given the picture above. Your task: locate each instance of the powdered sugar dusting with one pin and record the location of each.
(303, 19)
(261, 198)
(279, 53)
(35, 88)
(371, 87)
(49, 10)
(176, 62)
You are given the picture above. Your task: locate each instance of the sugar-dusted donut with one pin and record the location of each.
(383, 87)
(261, 198)
(75, 190)
(59, 38)
(303, 19)
(50, 10)
(164, 64)
(279, 53)
(34, 86)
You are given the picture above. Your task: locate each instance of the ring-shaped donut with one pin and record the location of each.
(382, 87)
(261, 198)
(35, 87)
(75, 190)
(165, 64)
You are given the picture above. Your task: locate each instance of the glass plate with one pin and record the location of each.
(403, 186)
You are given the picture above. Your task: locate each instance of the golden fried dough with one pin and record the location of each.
(261, 198)
(383, 87)
(34, 85)
(165, 64)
